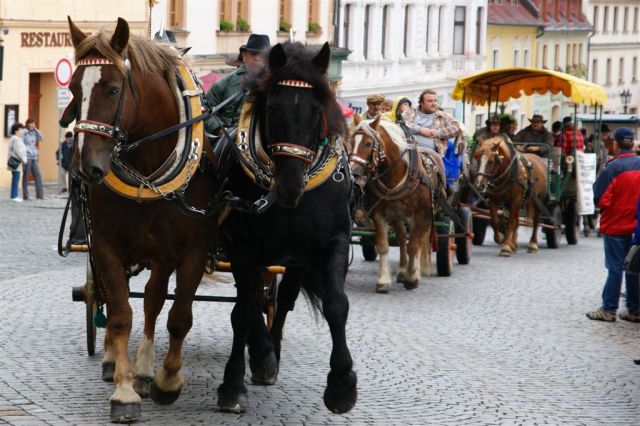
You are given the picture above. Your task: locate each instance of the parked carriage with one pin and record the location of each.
(559, 208)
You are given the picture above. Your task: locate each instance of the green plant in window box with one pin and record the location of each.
(315, 28)
(284, 26)
(242, 25)
(226, 25)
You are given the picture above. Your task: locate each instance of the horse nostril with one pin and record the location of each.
(95, 173)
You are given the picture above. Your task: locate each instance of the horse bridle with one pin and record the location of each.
(492, 180)
(290, 149)
(377, 153)
(111, 131)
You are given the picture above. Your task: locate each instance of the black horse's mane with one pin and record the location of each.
(299, 66)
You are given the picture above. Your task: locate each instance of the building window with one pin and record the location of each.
(568, 55)
(625, 20)
(545, 64)
(385, 29)
(605, 19)
(345, 26)
(314, 12)
(635, 20)
(621, 72)
(428, 35)
(458, 29)
(594, 71)
(595, 18)
(284, 11)
(526, 58)
(479, 31)
(556, 57)
(176, 14)
(634, 70)
(608, 82)
(615, 20)
(516, 58)
(496, 58)
(365, 45)
(407, 30)
(233, 10)
(574, 57)
(479, 121)
(441, 37)
(580, 54)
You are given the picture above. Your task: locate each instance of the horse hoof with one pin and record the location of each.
(233, 402)
(382, 288)
(411, 284)
(125, 412)
(341, 393)
(141, 385)
(498, 238)
(400, 278)
(532, 249)
(162, 397)
(265, 372)
(108, 369)
(505, 253)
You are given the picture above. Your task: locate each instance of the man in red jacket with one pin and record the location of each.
(616, 191)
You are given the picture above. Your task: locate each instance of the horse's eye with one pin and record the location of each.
(368, 144)
(113, 91)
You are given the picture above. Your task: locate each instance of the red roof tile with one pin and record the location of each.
(510, 14)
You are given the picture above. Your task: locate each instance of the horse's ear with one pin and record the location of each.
(77, 36)
(375, 123)
(120, 37)
(277, 57)
(321, 60)
(357, 119)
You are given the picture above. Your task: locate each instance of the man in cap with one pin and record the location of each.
(536, 133)
(616, 192)
(253, 58)
(572, 139)
(374, 106)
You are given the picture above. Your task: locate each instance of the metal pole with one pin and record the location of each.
(61, 172)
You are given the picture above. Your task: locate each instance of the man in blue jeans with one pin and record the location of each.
(616, 191)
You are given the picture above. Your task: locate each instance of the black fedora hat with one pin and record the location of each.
(256, 43)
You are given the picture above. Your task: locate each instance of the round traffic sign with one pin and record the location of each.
(63, 72)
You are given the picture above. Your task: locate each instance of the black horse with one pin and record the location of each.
(291, 160)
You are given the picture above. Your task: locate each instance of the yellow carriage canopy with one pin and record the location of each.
(502, 84)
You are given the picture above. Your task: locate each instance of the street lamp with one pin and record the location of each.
(625, 95)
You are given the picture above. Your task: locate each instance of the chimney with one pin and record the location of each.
(568, 10)
(544, 11)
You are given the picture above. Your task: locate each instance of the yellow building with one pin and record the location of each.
(35, 36)
(511, 42)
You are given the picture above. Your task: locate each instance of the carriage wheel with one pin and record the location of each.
(369, 252)
(571, 229)
(479, 230)
(463, 244)
(91, 307)
(445, 252)
(270, 296)
(553, 235)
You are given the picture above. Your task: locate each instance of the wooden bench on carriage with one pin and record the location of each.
(559, 209)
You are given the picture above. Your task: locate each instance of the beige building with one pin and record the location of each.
(35, 36)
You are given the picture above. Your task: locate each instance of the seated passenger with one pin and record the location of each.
(491, 129)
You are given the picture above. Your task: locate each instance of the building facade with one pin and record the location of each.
(403, 47)
(614, 52)
(35, 36)
(512, 30)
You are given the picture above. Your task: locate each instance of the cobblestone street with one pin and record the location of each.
(502, 341)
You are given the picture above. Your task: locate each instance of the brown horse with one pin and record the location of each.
(511, 179)
(125, 89)
(396, 191)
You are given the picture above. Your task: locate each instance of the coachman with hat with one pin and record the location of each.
(252, 58)
(536, 133)
(374, 106)
(491, 129)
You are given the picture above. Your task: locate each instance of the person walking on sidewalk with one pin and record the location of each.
(17, 151)
(617, 191)
(31, 138)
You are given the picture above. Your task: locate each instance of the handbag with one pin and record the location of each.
(632, 260)
(13, 162)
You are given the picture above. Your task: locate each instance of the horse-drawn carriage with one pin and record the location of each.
(556, 202)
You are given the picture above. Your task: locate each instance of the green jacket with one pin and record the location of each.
(221, 90)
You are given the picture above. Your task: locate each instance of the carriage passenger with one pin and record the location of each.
(492, 129)
(508, 125)
(253, 58)
(395, 115)
(536, 133)
(431, 126)
(374, 107)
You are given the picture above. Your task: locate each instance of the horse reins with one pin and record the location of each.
(507, 173)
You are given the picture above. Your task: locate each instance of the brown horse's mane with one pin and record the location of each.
(146, 56)
(299, 66)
